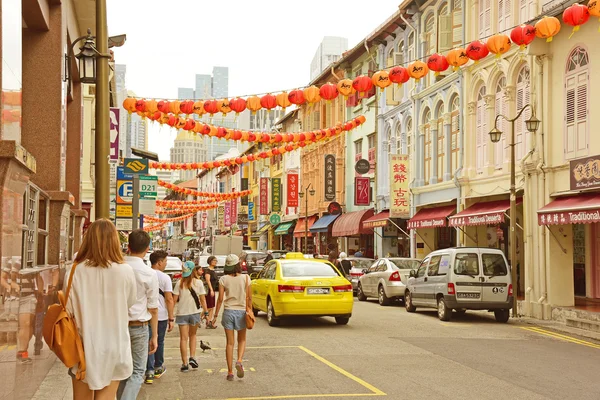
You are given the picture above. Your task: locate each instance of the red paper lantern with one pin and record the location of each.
(172, 121)
(477, 50)
(186, 107)
(289, 147)
(362, 84)
(237, 105)
(329, 91)
(251, 157)
(251, 137)
(205, 129)
(227, 163)
(268, 101)
(163, 106)
(221, 132)
(576, 15)
(302, 137)
(399, 75)
(216, 164)
(189, 124)
(437, 63)
(266, 138)
(275, 151)
(278, 138)
(140, 105)
(296, 97)
(211, 107)
(522, 35)
(237, 135)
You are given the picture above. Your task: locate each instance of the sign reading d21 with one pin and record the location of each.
(148, 186)
(136, 166)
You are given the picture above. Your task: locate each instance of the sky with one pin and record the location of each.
(268, 45)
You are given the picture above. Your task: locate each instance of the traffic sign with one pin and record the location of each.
(124, 192)
(121, 175)
(148, 186)
(124, 211)
(136, 166)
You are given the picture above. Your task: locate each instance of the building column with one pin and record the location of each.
(448, 147)
(470, 151)
(491, 116)
(433, 179)
(420, 156)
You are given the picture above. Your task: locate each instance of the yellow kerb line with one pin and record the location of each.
(306, 396)
(561, 337)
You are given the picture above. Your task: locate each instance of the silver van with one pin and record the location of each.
(461, 279)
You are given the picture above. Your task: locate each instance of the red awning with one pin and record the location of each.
(485, 213)
(300, 231)
(350, 224)
(431, 217)
(376, 221)
(580, 209)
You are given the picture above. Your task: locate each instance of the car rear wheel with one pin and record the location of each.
(271, 318)
(360, 294)
(444, 313)
(342, 320)
(502, 315)
(410, 307)
(383, 299)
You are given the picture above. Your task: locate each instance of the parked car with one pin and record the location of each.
(173, 269)
(353, 268)
(462, 279)
(386, 279)
(277, 254)
(203, 262)
(255, 261)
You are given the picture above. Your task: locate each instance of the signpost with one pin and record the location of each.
(136, 167)
(124, 198)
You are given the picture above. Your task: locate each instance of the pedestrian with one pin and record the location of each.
(269, 257)
(359, 253)
(166, 320)
(333, 257)
(189, 294)
(142, 314)
(234, 295)
(212, 282)
(102, 291)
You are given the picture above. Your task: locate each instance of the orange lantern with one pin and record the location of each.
(576, 15)
(210, 106)
(362, 84)
(283, 101)
(498, 44)
(345, 88)
(438, 63)
(129, 104)
(457, 58)
(253, 104)
(547, 27)
(151, 106)
(381, 79)
(268, 101)
(296, 97)
(224, 106)
(522, 35)
(328, 91)
(312, 95)
(594, 9)
(399, 75)
(199, 108)
(417, 70)
(163, 106)
(174, 107)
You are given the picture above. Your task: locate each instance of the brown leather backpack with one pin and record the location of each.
(61, 333)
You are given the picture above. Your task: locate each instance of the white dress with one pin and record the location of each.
(100, 299)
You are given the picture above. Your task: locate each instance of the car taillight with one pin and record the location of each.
(356, 274)
(176, 276)
(510, 290)
(451, 289)
(343, 288)
(290, 289)
(395, 277)
(244, 266)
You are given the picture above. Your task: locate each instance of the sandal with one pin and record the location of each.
(229, 377)
(240, 369)
(210, 325)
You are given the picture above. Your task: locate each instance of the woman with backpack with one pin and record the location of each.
(189, 295)
(102, 290)
(212, 283)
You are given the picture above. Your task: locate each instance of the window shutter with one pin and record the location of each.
(484, 135)
(523, 11)
(457, 28)
(479, 130)
(487, 18)
(501, 16)
(570, 118)
(481, 18)
(398, 58)
(519, 124)
(352, 100)
(445, 34)
(389, 91)
(507, 15)
(505, 128)
(582, 113)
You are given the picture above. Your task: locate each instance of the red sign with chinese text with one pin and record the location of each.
(362, 186)
(399, 180)
(264, 196)
(234, 211)
(292, 190)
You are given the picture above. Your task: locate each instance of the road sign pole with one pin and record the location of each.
(135, 202)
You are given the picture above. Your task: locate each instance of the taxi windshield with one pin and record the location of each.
(307, 269)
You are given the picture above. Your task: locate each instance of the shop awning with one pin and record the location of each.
(431, 217)
(350, 224)
(323, 223)
(256, 235)
(284, 228)
(299, 231)
(579, 209)
(377, 220)
(187, 238)
(484, 213)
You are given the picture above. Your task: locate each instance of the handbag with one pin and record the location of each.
(61, 334)
(250, 318)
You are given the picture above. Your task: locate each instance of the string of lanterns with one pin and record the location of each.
(186, 209)
(315, 136)
(183, 203)
(154, 227)
(166, 220)
(545, 28)
(217, 196)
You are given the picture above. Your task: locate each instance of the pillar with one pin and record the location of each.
(448, 147)
(433, 179)
(420, 156)
(489, 149)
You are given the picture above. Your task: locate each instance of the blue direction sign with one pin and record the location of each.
(122, 176)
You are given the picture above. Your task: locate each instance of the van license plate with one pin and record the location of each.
(317, 291)
(467, 295)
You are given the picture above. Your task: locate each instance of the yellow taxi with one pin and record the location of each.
(295, 285)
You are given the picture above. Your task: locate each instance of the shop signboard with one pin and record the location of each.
(275, 219)
(264, 196)
(585, 173)
(250, 211)
(276, 194)
(114, 133)
(227, 215)
(124, 224)
(242, 219)
(221, 217)
(329, 177)
(362, 166)
(234, 211)
(399, 180)
(244, 186)
(362, 188)
(573, 217)
(292, 190)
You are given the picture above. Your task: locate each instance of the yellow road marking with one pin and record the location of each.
(561, 337)
(304, 396)
(249, 347)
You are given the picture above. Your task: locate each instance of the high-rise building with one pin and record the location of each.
(220, 82)
(187, 148)
(203, 86)
(185, 93)
(330, 50)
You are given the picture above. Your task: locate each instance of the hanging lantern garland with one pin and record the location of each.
(181, 203)
(153, 227)
(167, 220)
(192, 192)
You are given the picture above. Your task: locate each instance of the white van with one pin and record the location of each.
(461, 279)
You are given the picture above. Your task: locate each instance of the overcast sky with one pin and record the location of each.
(268, 45)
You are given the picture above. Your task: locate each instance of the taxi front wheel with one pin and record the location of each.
(271, 318)
(342, 320)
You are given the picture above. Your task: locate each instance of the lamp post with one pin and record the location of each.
(301, 194)
(495, 135)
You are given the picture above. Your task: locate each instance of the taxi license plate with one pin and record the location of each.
(317, 291)
(467, 295)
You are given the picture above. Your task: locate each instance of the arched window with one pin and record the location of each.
(430, 43)
(454, 145)
(577, 79)
(391, 147)
(500, 149)
(400, 54)
(481, 131)
(390, 57)
(428, 145)
(441, 142)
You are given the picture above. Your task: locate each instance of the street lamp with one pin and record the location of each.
(495, 135)
(86, 57)
(301, 194)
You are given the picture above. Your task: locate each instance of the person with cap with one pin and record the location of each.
(235, 296)
(190, 296)
(269, 256)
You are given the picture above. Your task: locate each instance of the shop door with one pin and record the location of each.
(579, 285)
(596, 260)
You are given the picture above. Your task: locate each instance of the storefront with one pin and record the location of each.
(350, 226)
(285, 234)
(393, 232)
(302, 231)
(322, 229)
(260, 237)
(432, 230)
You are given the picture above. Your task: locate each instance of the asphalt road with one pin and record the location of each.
(387, 352)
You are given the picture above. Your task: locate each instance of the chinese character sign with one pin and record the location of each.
(292, 190)
(221, 217)
(264, 196)
(329, 177)
(250, 211)
(234, 211)
(114, 133)
(399, 180)
(227, 218)
(276, 194)
(244, 186)
(362, 188)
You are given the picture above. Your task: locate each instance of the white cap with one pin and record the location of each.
(232, 260)
(269, 252)
(343, 255)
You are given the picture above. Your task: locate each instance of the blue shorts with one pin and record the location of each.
(234, 320)
(191, 319)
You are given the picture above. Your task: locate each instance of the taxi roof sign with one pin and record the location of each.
(294, 256)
